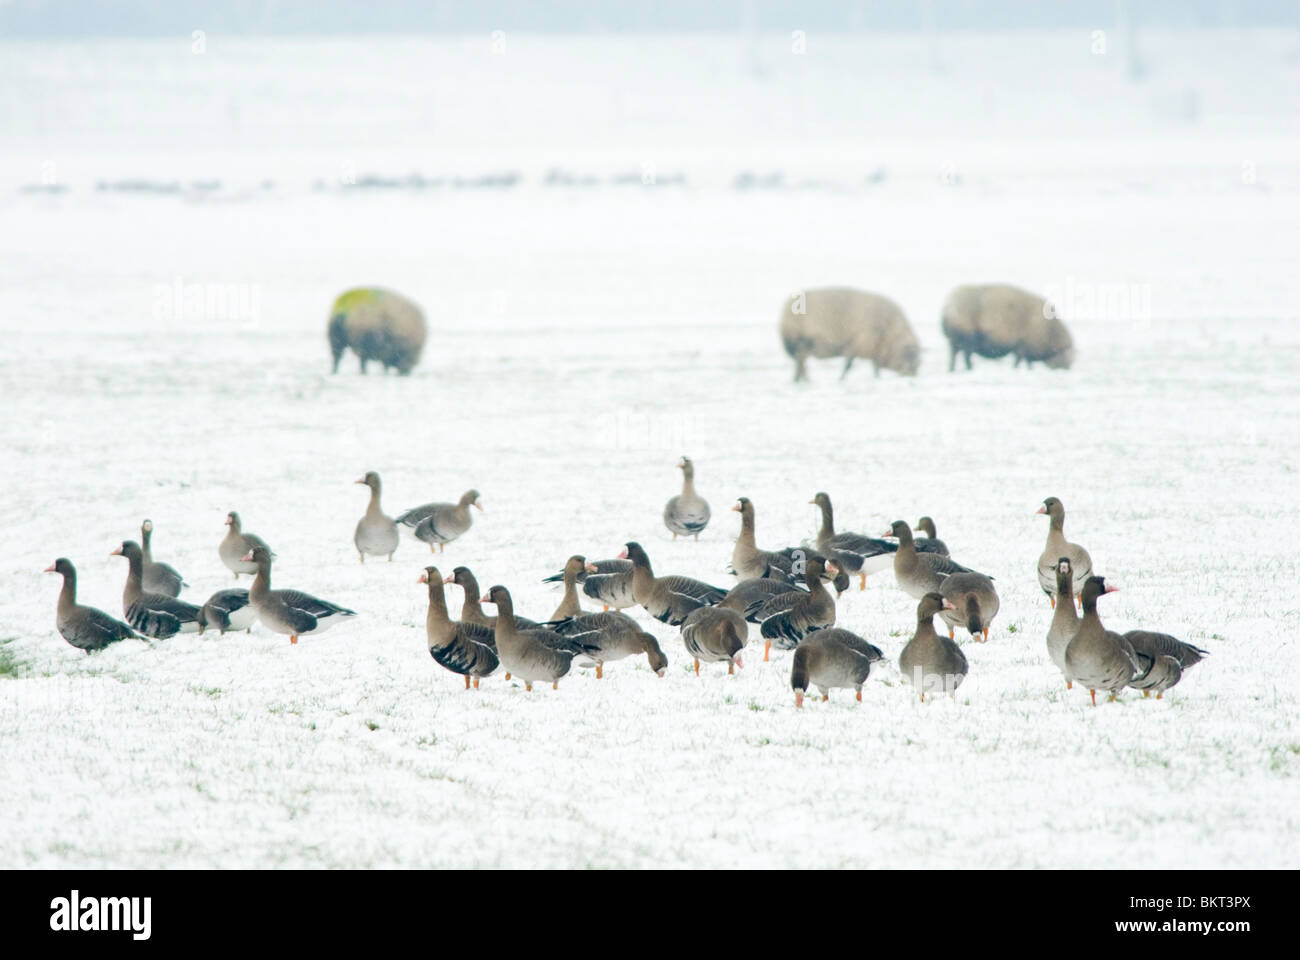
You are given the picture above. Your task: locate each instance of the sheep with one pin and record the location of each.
(379, 325)
(843, 322)
(996, 319)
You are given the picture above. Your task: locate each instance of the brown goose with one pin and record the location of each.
(919, 573)
(748, 596)
(930, 662)
(84, 627)
(376, 532)
(465, 648)
(157, 577)
(236, 545)
(471, 610)
(1057, 547)
(569, 606)
(152, 614)
(748, 561)
(1098, 658)
(932, 543)
(290, 612)
(686, 514)
(789, 617)
(227, 610)
(438, 524)
(852, 552)
(613, 636)
(1065, 622)
(668, 599)
(1161, 660)
(832, 658)
(713, 634)
(974, 602)
(535, 653)
(608, 581)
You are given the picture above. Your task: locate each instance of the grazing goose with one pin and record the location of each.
(931, 662)
(931, 543)
(438, 524)
(1098, 658)
(158, 577)
(535, 653)
(613, 636)
(152, 614)
(715, 633)
(84, 627)
(974, 600)
(465, 648)
(748, 596)
(236, 546)
(227, 610)
(668, 599)
(569, 606)
(919, 573)
(376, 532)
(789, 617)
(1057, 547)
(1161, 660)
(687, 513)
(1065, 622)
(471, 610)
(832, 658)
(291, 612)
(749, 562)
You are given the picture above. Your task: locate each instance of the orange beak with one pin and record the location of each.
(49, 569)
(736, 508)
(116, 553)
(424, 578)
(478, 506)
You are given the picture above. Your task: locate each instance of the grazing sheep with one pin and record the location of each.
(843, 322)
(996, 319)
(379, 325)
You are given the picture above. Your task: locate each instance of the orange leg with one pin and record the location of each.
(1053, 599)
(767, 648)
(1160, 695)
(599, 671)
(1093, 693)
(555, 685)
(731, 669)
(950, 633)
(363, 558)
(1113, 698)
(798, 699)
(1145, 694)
(528, 685)
(862, 581)
(859, 696)
(697, 668)
(605, 607)
(986, 634)
(294, 638)
(1069, 684)
(507, 674)
(476, 683)
(825, 697)
(467, 681)
(923, 698)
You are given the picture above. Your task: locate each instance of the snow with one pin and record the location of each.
(582, 340)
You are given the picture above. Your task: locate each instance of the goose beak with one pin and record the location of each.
(833, 570)
(948, 605)
(592, 568)
(116, 553)
(362, 480)
(798, 699)
(737, 661)
(622, 554)
(812, 503)
(736, 508)
(246, 558)
(888, 533)
(228, 521)
(659, 673)
(49, 569)
(478, 506)
(1042, 509)
(450, 578)
(1111, 588)
(484, 599)
(424, 578)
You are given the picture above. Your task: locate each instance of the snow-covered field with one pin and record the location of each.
(582, 339)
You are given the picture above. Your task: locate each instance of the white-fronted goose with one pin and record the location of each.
(438, 524)
(932, 543)
(227, 610)
(376, 532)
(974, 602)
(86, 628)
(1065, 621)
(668, 599)
(531, 654)
(930, 662)
(157, 577)
(748, 596)
(236, 545)
(613, 636)
(290, 612)
(1057, 547)
(832, 658)
(1098, 658)
(608, 581)
(569, 605)
(715, 634)
(748, 561)
(1161, 660)
(787, 618)
(686, 514)
(468, 649)
(471, 609)
(919, 573)
(852, 552)
(152, 614)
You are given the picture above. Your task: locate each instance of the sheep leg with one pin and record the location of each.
(952, 355)
(967, 354)
(1017, 363)
(875, 368)
(363, 363)
(800, 367)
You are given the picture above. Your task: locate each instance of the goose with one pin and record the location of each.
(932, 543)
(438, 524)
(468, 649)
(748, 561)
(157, 577)
(831, 658)
(1065, 622)
(227, 610)
(687, 513)
(569, 606)
(931, 662)
(535, 653)
(152, 614)
(291, 612)
(613, 636)
(1161, 660)
(1057, 547)
(1098, 658)
(974, 600)
(376, 532)
(852, 552)
(236, 546)
(748, 596)
(715, 633)
(471, 610)
(608, 581)
(789, 617)
(85, 628)
(919, 573)
(668, 599)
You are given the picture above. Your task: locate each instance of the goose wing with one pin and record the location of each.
(94, 629)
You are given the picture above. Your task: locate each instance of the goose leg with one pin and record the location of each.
(862, 581)
(555, 685)
(528, 685)
(674, 536)
(731, 669)
(950, 633)
(1053, 599)
(859, 694)
(1069, 684)
(798, 700)
(390, 557)
(1093, 694)
(362, 556)
(293, 638)
(605, 607)
(767, 649)
(476, 683)
(923, 697)
(825, 697)
(467, 681)
(697, 668)
(1160, 695)
(986, 634)
(1113, 698)
(599, 671)
(1145, 694)
(507, 674)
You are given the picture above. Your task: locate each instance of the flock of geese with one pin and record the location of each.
(784, 592)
